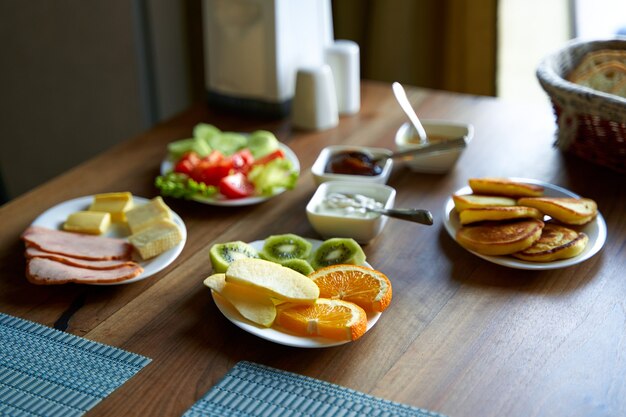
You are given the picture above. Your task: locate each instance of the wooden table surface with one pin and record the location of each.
(462, 336)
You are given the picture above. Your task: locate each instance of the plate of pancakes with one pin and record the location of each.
(524, 223)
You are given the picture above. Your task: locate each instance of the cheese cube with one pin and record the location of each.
(114, 203)
(156, 238)
(92, 222)
(142, 216)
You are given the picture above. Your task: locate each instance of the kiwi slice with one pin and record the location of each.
(223, 254)
(261, 143)
(280, 248)
(299, 265)
(338, 251)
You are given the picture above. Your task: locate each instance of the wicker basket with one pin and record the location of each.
(591, 124)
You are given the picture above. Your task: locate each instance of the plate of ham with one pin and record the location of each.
(55, 256)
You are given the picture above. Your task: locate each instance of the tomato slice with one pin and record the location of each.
(187, 163)
(236, 186)
(277, 154)
(242, 160)
(214, 157)
(211, 173)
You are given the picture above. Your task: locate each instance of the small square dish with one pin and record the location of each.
(332, 216)
(437, 131)
(321, 172)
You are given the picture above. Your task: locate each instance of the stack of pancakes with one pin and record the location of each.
(504, 217)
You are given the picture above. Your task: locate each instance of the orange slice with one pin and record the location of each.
(360, 285)
(333, 319)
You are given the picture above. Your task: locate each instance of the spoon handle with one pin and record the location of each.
(412, 215)
(433, 147)
(430, 148)
(403, 100)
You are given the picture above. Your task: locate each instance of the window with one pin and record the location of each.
(527, 31)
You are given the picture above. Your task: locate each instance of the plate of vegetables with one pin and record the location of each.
(227, 168)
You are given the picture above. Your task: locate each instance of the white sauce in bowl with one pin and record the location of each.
(349, 205)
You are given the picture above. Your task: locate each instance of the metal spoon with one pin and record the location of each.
(403, 100)
(435, 147)
(412, 215)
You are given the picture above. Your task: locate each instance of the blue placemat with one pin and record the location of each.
(250, 389)
(46, 372)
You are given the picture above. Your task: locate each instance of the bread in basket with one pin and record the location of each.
(591, 123)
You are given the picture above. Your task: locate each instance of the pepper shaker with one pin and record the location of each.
(343, 58)
(315, 101)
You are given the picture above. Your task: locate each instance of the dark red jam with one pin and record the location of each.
(352, 163)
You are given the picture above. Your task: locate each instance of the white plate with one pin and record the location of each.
(274, 335)
(167, 165)
(54, 217)
(596, 230)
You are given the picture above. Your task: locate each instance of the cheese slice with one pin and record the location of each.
(114, 203)
(92, 222)
(155, 239)
(142, 216)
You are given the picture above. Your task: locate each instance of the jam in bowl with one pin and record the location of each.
(352, 163)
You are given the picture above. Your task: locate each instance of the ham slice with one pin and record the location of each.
(75, 245)
(32, 252)
(44, 271)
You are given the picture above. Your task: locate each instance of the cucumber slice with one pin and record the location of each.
(228, 142)
(180, 147)
(205, 131)
(261, 143)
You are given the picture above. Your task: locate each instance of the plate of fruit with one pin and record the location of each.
(524, 223)
(296, 291)
(227, 168)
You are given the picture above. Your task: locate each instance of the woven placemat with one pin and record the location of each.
(46, 372)
(250, 389)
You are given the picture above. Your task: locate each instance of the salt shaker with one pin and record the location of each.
(315, 100)
(343, 58)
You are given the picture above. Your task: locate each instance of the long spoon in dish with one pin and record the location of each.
(412, 215)
(403, 100)
(409, 214)
(430, 148)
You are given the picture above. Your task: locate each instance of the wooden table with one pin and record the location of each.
(462, 336)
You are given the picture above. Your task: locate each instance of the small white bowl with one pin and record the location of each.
(337, 225)
(319, 166)
(438, 162)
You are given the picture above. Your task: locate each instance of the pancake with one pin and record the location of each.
(467, 201)
(574, 211)
(556, 242)
(504, 187)
(500, 238)
(474, 215)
